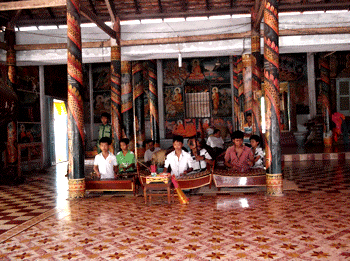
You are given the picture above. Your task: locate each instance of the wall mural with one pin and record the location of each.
(197, 97)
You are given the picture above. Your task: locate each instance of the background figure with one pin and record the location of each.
(150, 150)
(105, 129)
(248, 129)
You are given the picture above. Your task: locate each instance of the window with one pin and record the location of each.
(343, 96)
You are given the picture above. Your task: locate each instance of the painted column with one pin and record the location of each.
(274, 180)
(153, 101)
(127, 103)
(324, 92)
(11, 148)
(247, 83)
(138, 98)
(116, 89)
(75, 103)
(240, 92)
(256, 62)
(236, 106)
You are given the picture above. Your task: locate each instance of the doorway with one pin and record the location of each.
(60, 130)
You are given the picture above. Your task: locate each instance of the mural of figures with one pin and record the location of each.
(29, 132)
(196, 72)
(215, 98)
(190, 128)
(174, 105)
(173, 75)
(102, 103)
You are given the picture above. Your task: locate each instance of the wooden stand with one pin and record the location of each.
(157, 189)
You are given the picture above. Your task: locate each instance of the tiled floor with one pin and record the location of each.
(305, 224)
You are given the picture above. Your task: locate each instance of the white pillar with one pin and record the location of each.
(311, 83)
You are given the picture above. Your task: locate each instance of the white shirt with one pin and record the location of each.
(215, 142)
(260, 162)
(106, 165)
(198, 165)
(178, 165)
(149, 153)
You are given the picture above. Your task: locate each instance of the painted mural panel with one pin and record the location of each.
(197, 96)
(28, 132)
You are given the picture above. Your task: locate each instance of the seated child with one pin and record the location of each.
(105, 163)
(149, 152)
(257, 152)
(125, 158)
(239, 157)
(200, 156)
(178, 160)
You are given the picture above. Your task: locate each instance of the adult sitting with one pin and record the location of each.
(149, 152)
(216, 142)
(200, 156)
(239, 157)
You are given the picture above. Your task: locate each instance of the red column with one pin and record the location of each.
(76, 134)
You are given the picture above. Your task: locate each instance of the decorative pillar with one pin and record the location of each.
(324, 93)
(127, 103)
(116, 87)
(153, 101)
(274, 180)
(240, 92)
(236, 107)
(256, 62)
(75, 102)
(139, 119)
(247, 83)
(11, 148)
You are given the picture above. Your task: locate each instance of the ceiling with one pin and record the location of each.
(53, 12)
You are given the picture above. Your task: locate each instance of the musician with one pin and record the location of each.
(239, 157)
(200, 156)
(178, 160)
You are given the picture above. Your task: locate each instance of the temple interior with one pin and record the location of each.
(204, 72)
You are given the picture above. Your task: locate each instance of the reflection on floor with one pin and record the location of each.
(310, 223)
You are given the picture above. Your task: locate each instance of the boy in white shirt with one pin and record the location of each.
(179, 160)
(216, 143)
(105, 162)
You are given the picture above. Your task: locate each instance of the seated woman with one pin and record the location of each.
(239, 157)
(200, 156)
(125, 158)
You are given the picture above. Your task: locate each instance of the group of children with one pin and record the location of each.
(179, 162)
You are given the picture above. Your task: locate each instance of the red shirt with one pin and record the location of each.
(240, 163)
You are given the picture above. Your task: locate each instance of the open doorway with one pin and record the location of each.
(60, 131)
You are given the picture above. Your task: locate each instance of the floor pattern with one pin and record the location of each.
(307, 224)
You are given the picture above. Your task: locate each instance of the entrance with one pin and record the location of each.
(60, 131)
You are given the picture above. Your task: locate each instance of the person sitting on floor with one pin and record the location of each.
(149, 152)
(216, 142)
(257, 152)
(125, 158)
(200, 156)
(178, 160)
(239, 157)
(105, 162)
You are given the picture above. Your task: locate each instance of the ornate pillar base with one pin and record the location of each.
(76, 188)
(274, 185)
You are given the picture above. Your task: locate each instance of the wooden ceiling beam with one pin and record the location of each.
(52, 15)
(93, 18)
(160, 6)
(259, 12)
(14, 19)
(92, 7)
(208, 5)
(111, 10)
(137, 7)
(31, 4)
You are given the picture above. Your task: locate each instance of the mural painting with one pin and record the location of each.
(197, 96)
(28, 132)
